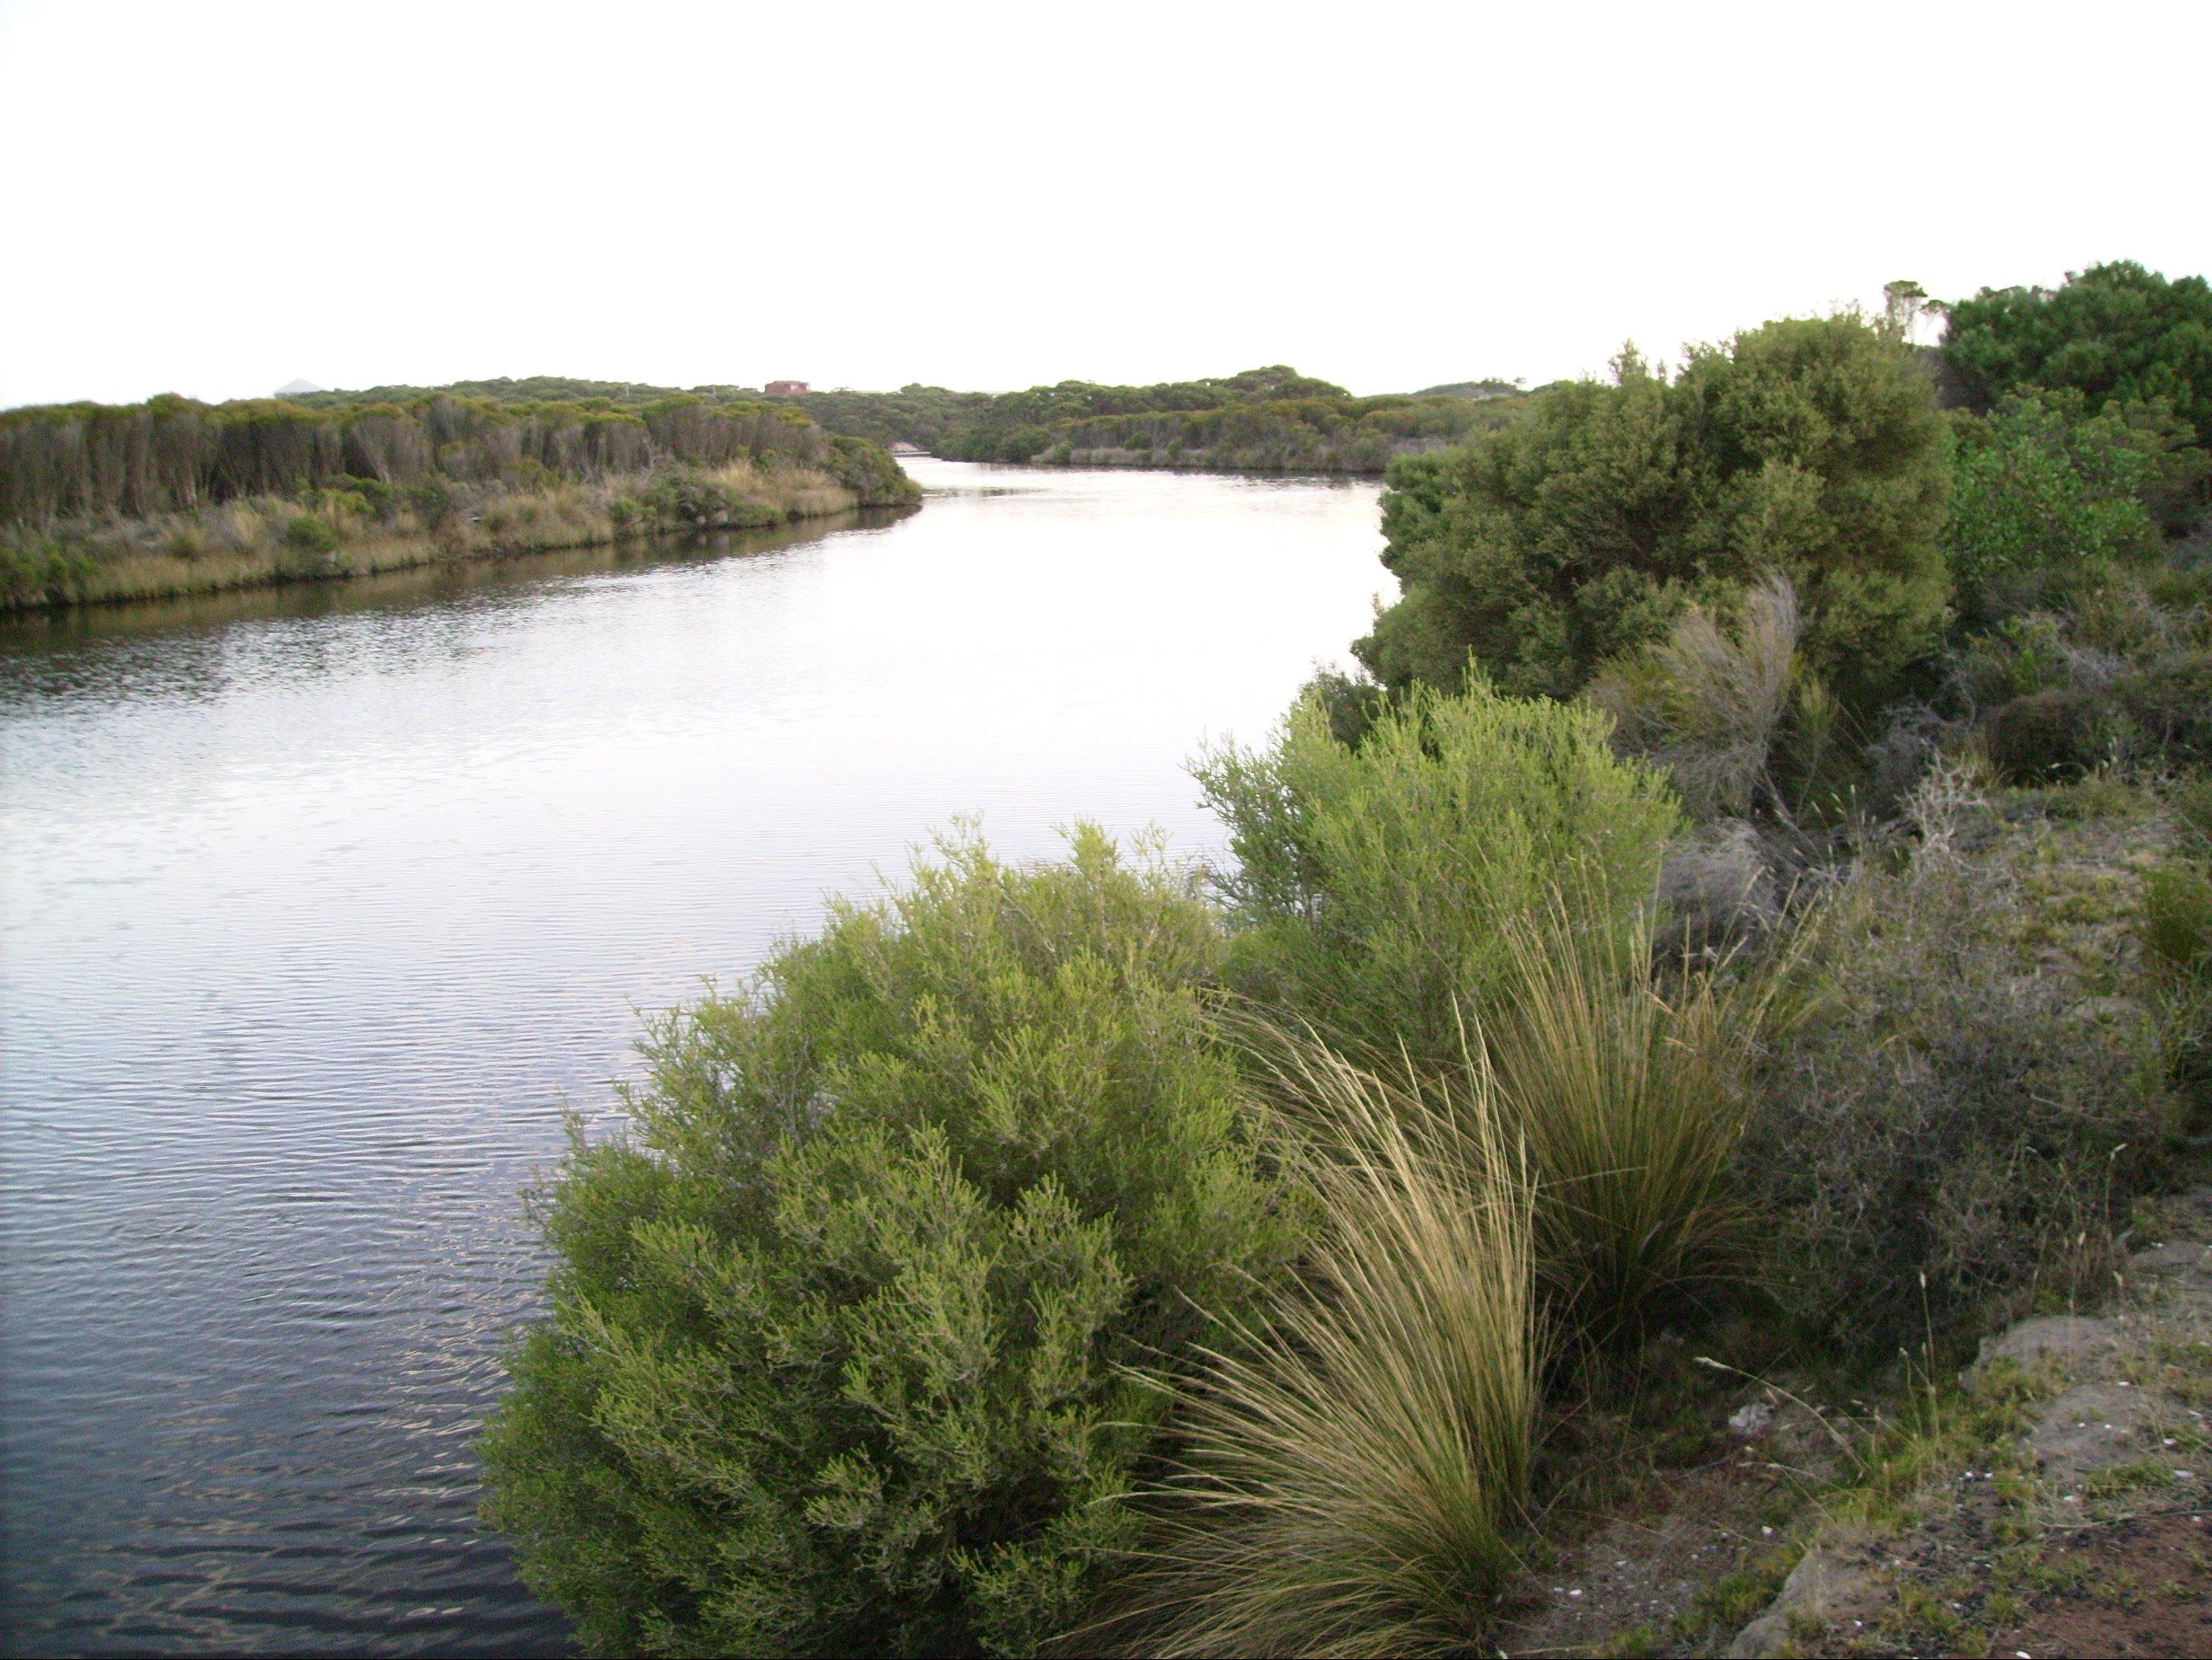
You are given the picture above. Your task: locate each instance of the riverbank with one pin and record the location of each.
(361, 529)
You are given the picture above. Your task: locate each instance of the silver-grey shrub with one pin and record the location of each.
(1954, 1103)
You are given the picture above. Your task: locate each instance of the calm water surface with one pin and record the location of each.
(319, 907)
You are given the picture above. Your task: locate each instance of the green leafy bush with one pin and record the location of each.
(1376, 887)
(870, 473)
(832, 1367)
(2060, 732)
(2046, 498)
(307, 534)
(2176, 920)
(40, 569)
(1586, 523)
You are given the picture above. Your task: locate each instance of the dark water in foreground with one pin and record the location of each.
(316, 907)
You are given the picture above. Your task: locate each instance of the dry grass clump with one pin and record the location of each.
(1710, 703)
(1356, 1457)
(1632, 1100)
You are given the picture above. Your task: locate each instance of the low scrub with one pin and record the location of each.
(836, 1360)
(1960, 1114)
(352, 527)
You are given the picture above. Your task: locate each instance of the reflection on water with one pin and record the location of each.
(320, 903)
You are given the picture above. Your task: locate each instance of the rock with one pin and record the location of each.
(2090, 1428)
(1814, 1588)
(2176, 1257)
(2054, 1334)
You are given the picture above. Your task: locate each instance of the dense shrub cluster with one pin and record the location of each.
(1267, 419)
(80, 459)
(2114, 332)
(1377, 887)
(1954, 1105)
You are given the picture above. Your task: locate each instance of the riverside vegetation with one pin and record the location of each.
(1760, 906)
(172, 496)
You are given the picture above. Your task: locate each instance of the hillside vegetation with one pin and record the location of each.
(172, 496)
(1269, 419)
(1756, 925)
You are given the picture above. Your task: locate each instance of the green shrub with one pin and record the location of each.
(2176, 929)
(1581, 526)
(2058, 734)
(435, 500)
(868, 470)
(2115, 331)
(307, 534)
(679, 496)
(1356, 1461)
(1376, 887)
(1022, 444)
(41, 570)
(2168, 696)
(2189, 805)
(834, 1361)
(2046, 498)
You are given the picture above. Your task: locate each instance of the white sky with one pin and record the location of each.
(213, 198)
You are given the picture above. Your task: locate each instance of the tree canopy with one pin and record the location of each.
(2115, 331)
(1583, 525)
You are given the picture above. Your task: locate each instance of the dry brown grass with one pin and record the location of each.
(1632, 1101)
(1356, 1457)
(241, 543)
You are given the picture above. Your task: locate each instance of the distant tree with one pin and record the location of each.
(2112, 331)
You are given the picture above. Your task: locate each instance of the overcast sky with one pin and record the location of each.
(213, 199)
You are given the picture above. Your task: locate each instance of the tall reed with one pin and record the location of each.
(1357, 1457)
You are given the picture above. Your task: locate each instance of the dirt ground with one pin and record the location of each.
(2061, 1506)
(2142, 1587)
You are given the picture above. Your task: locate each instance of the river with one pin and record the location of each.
(318, 906)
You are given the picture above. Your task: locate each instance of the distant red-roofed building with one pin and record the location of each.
(786, 388)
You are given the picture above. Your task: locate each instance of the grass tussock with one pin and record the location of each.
(1632, 1101)
(1358, 1457)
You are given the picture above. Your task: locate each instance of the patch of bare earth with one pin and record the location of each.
(1655, 1575)
(2141, 1587)
(2085, 1530)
